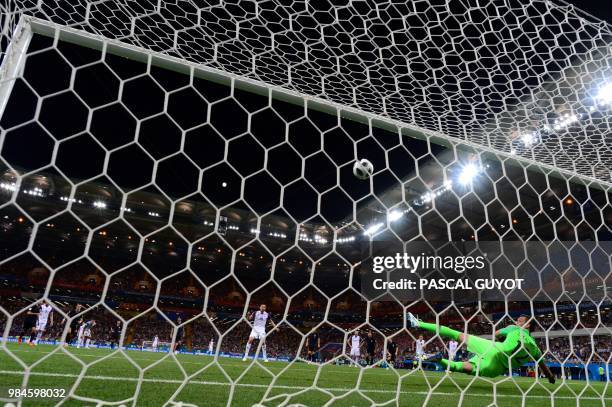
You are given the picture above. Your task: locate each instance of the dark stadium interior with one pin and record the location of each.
(150, 208)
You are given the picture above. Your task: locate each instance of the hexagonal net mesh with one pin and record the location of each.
(518, 76)
(168, 167)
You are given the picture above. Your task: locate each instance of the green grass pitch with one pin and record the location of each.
(199, 380)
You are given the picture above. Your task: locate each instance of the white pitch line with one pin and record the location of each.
(237, 363)
(234, 362)
(332, 389)
(225, 360)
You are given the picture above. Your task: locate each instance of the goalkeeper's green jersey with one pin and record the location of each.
(519, 347)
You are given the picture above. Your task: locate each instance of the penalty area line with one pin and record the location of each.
(331, 389)
(577, 385)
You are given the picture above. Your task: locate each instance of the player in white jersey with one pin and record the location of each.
(155, 343)
(260, 320)
(452, 349)
(80, 332)
(211, 346)
(85, 333)
(45, 314)
(420, 348)
(355, 344)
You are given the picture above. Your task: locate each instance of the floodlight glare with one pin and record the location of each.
(394, 215)
(604, 96)
(373, 229)
(468, 173)
(528, 139)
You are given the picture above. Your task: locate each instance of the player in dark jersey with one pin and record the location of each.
(391, 352)
(313, 346)
(74, 323)
(29, 326)
(180, 333)
(115, 334)
(370, 343)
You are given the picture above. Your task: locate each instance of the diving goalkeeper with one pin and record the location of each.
(492, 359)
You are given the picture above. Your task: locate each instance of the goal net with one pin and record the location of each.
(275, 188)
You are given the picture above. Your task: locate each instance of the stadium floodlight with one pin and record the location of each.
(319, 239)
(604, 95)
(34, 192)
(529, 139)
(394, 215)
(566, 120)
(8, 187)
(427, 197)
(468, 173)
(371, 230)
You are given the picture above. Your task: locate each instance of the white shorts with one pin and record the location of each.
(86, 333)
(41, 325)
(258, 333)
(355, 352)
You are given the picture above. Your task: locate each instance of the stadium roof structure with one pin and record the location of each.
(524, 78)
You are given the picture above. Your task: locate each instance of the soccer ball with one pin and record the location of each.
(363, 169)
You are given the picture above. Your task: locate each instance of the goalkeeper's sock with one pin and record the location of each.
(444, 330)
(452, 366)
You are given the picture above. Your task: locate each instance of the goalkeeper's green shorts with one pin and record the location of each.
(488, 357)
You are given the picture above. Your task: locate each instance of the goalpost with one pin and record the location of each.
(173, 165)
